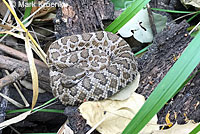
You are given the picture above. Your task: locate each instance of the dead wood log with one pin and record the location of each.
(153, 65)
(82, 16)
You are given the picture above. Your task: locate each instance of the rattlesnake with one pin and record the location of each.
(90, 66)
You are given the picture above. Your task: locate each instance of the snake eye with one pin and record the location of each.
(67, 83)
(54, 68)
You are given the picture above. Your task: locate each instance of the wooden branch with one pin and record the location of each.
(12, 64)
(19, 54)
(17, 74)
(151, 20)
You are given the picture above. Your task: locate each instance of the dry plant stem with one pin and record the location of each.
(16, 75)
(17, 132)
(42, 55)
(5, 17)
(23, 21)
(17, 104)
(11, 64)
(99, 123)
(12, 7)
(151, 20)
(19, 91)
(19, 54)
(34, 33)
(43, 28)
(183, 16)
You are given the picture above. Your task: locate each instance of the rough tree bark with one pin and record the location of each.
(83, 16)
(153, 65)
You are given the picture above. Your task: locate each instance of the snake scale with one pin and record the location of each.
(90, 66)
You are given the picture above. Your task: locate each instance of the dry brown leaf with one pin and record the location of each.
(8, 26)
(46, 18)
(5, 27)
(34, 74)
(117, 116)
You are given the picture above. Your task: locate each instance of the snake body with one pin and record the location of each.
(90, 66)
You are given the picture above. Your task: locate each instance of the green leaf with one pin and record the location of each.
(132, 10)
(141, 26)
(166, 89)
(195, 130)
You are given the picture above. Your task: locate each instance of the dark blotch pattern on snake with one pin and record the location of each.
(90, 66)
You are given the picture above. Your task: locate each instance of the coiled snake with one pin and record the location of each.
(90, 66)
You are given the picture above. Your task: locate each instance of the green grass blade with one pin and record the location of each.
(166, 89)
(40, 110)
(171, 11)
(195, 15)
(132, 10)
(195, 130)
(142, 51)
(27, 10)
(46, 103)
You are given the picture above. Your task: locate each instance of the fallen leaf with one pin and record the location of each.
(139, 26)
(195, 3)
(114, 116)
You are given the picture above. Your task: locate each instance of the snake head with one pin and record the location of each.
(71, 76)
